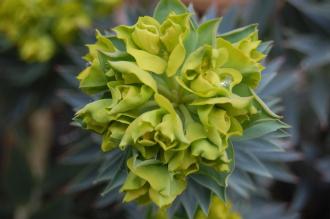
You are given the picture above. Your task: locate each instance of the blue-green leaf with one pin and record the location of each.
(250, 163)
(165, 7)
(204, 181)
(207, 32)
(240, 33)
(260, 129)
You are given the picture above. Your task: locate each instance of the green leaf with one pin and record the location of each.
(260, 129)
(216, 176)
(189, 202)
(265, 47)
(190, 43)
(280, 172)
(263, 105)
(103, 59)
(240, 33)
(92, 80)
(133, 69)
(217, 183)
(207, 32)
(116, 182)
(108, 199)
(205, 181)
(250, 163)
(118, 43)
(242, 183)
(202, 196)
(269, 74)
(165, 7)
(110, 168)
(263, 145)
(279, 156)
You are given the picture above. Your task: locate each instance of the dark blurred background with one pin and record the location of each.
(45, 162)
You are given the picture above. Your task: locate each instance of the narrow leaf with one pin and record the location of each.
(207, 32)
(165, 7)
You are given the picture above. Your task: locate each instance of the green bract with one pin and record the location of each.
(157, 47)
(173, 95)
(218, 210)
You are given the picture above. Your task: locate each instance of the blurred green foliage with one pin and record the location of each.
(39, 27)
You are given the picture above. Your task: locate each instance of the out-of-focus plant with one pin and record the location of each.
(219, 6)
(38, 27)
(31, 183)
(307, 47)
(172, 95)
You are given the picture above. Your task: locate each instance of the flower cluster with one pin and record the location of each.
(36, 26)
(173, 93)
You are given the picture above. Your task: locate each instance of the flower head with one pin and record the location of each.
(173, 94)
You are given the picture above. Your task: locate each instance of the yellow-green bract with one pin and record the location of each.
(173, 93)
(218, 209)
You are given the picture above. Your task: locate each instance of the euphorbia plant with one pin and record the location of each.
(172, 96)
